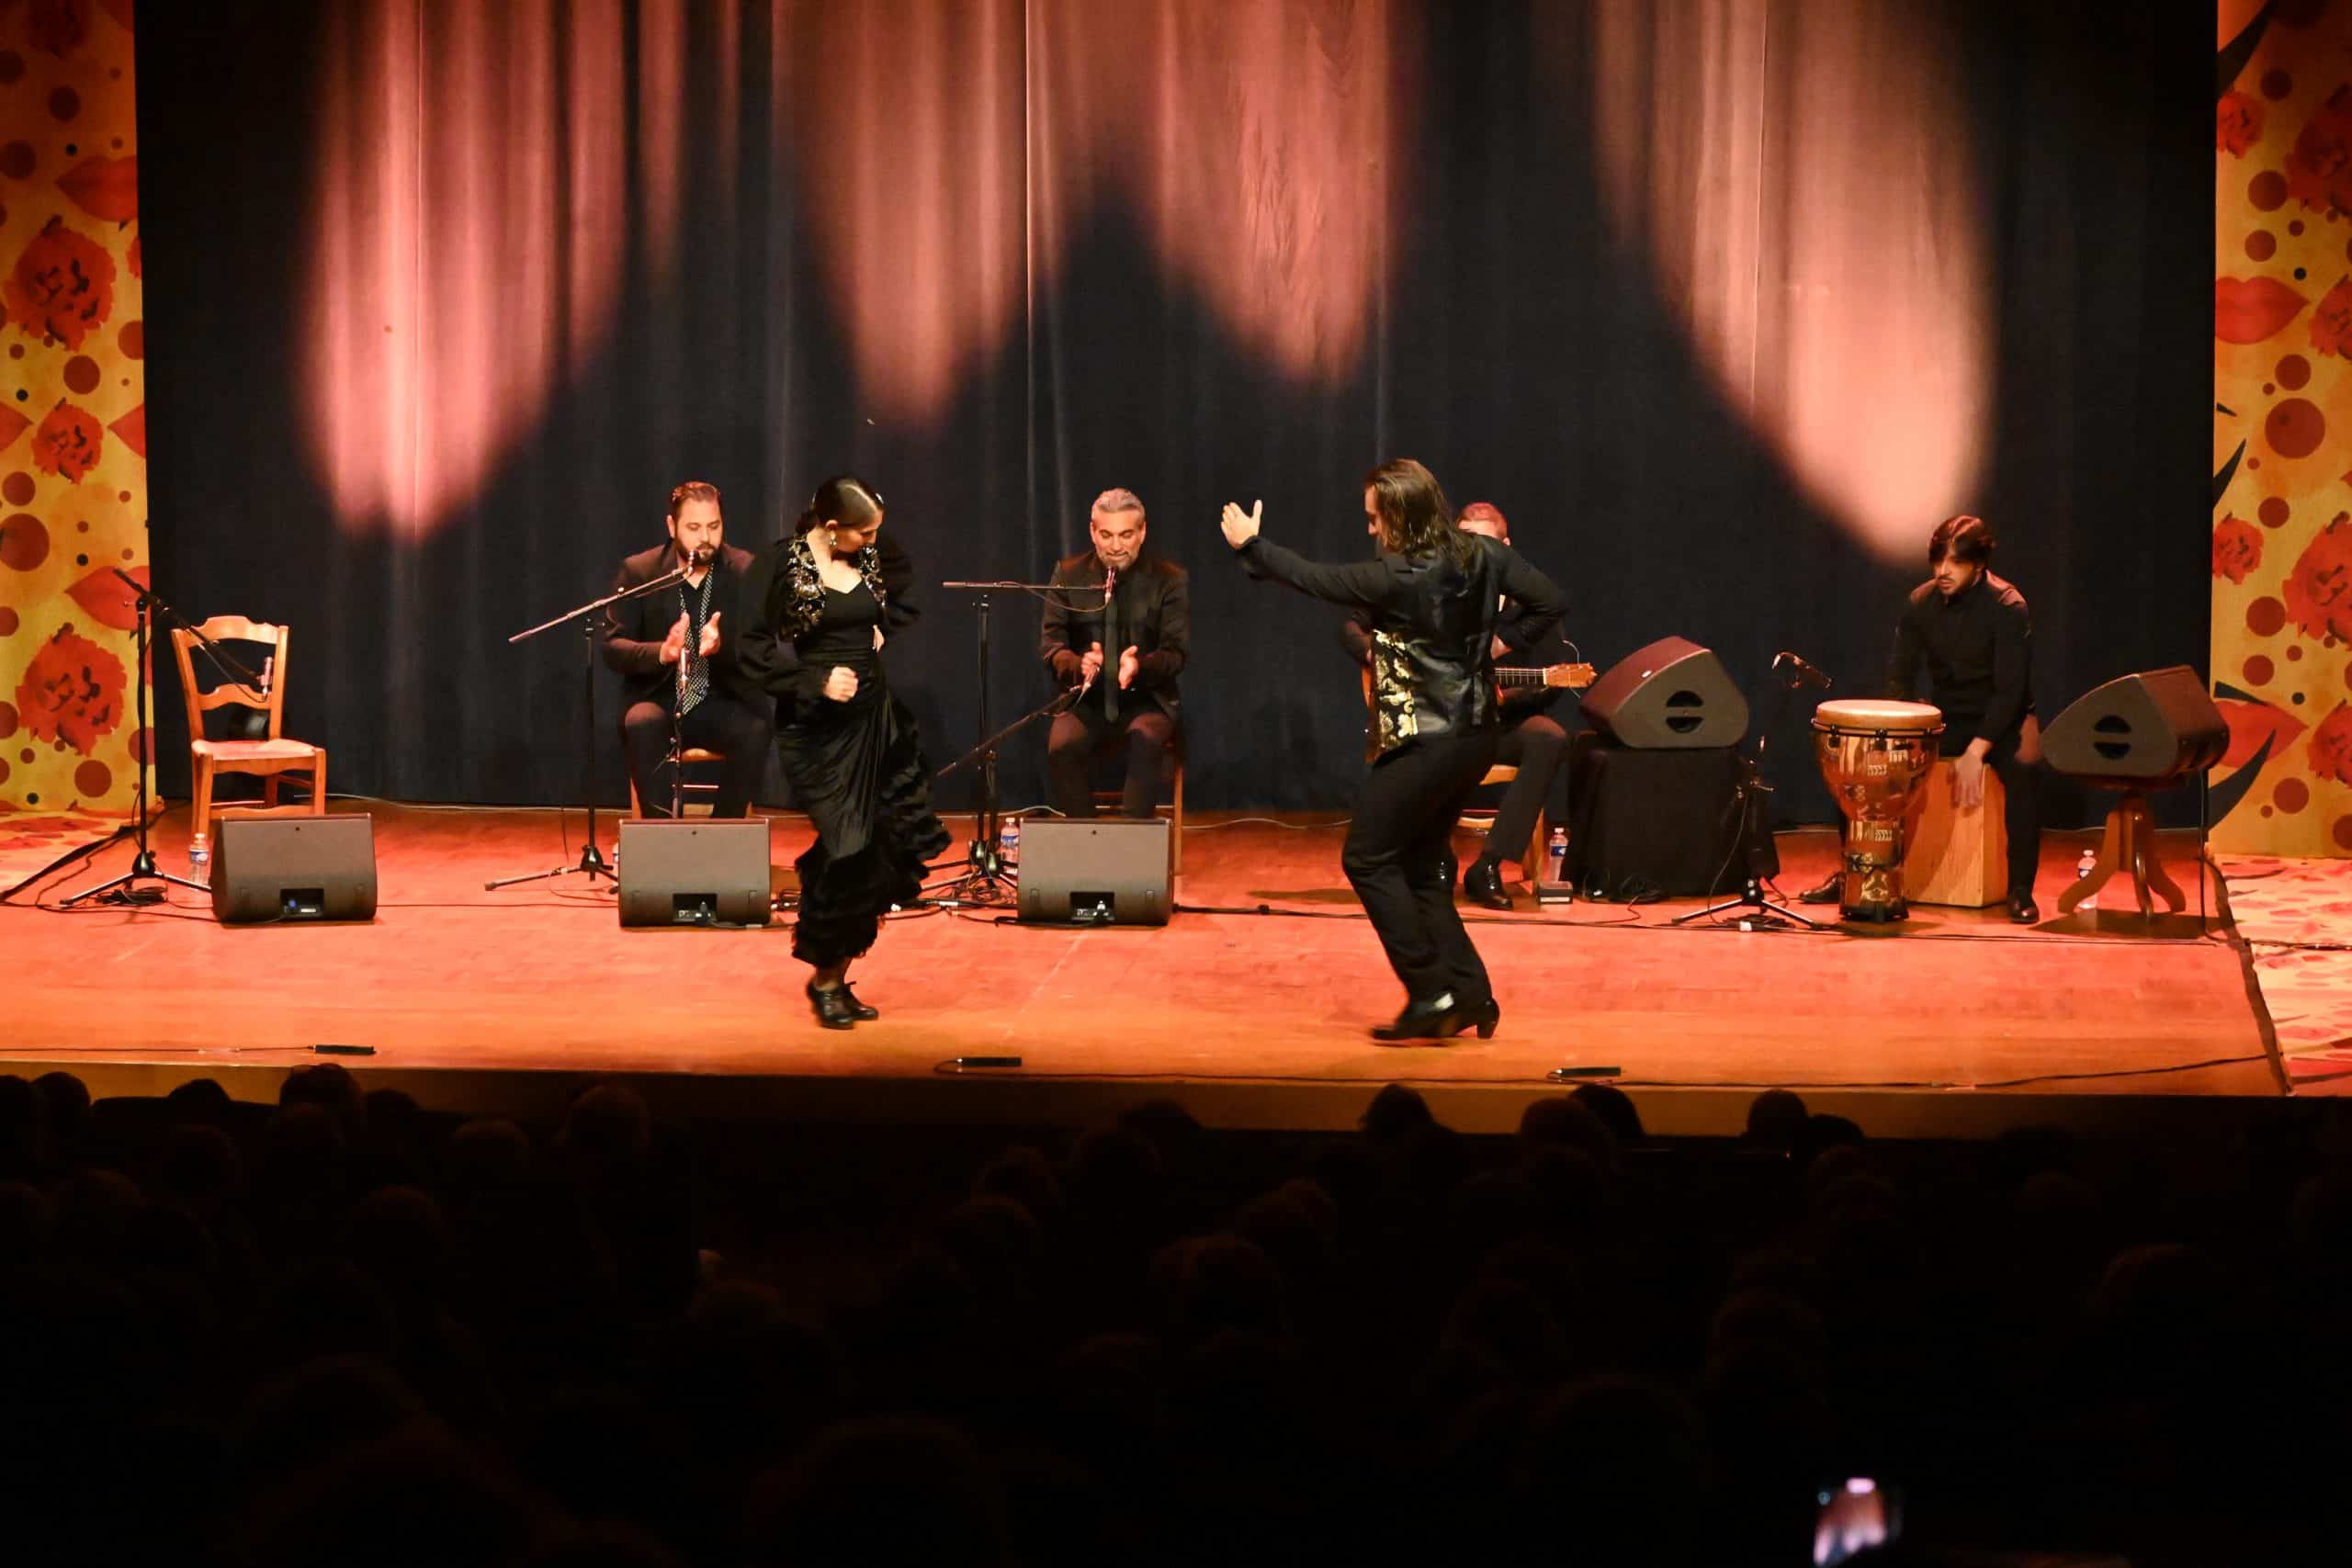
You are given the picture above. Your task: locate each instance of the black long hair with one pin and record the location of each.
(844, 498)
(1415, 520)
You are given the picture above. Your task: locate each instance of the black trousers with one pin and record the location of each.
(1537, 747)
(739, 733)
(1399, 859)
(2021, 808)
(1085, 732)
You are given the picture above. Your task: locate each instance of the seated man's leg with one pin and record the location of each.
(1069, 751)
(741, 735)
(1536, 745)
(645, 740)
(2021, 813)
(1149, 733)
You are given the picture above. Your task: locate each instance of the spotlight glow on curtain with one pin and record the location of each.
(472, 222)
(475, 207)
(1258, 142)
(1807, 203)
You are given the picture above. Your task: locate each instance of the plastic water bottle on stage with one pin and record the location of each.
(1555, 856)
(2085, 866)
(1008, 841)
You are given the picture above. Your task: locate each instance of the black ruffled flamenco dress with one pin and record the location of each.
(857, 769)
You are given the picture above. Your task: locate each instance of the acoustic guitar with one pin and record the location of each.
(1574, 677)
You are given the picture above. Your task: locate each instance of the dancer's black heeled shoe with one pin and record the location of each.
(1487, 1018)
(835, 1008)
(1439, 1020)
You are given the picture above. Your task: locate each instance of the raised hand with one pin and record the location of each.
(673, 647)
(1240, 527)
(877, 637)
(841, 683)
(1128, 664)
(710, 636)
(1090, 663)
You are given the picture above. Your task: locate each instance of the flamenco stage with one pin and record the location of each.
(1957, 1023)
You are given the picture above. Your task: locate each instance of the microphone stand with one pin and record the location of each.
(986, 874)
(676, 761)
(142, 864)
(593, 864)
(1749, 795)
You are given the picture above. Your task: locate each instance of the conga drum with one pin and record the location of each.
(1875, 756)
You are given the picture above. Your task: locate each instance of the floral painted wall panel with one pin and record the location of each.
(72, 407)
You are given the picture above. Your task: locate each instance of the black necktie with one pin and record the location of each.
(1111, 646)
(697, 685)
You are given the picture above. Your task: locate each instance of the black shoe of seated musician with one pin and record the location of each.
(2022, 908)
(1832, 889)
(834, 1006)
(1482, 883)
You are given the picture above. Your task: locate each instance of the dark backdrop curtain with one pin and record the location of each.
(437, 318)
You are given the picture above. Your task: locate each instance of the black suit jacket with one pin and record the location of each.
(1155, 606)
(634, 628)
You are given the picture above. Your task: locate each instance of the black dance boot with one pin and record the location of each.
(1482, 883)
(834, 1005)
(857, 1009)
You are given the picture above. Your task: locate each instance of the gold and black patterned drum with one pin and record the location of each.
(1876, 756)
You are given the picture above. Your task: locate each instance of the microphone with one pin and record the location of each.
(1110, 581)
(1807, 672)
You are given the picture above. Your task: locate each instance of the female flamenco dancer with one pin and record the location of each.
(849, 747)
(1432, 594)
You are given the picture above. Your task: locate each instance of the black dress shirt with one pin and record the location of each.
(1977, 648)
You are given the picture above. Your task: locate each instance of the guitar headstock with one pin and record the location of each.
(1575, 677)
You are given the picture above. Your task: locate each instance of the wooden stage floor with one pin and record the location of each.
(504, 999)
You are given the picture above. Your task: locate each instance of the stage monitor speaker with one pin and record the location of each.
(1671, 693)
(294, 868)
(1104, 870)
(697, 872)
(2139, 732)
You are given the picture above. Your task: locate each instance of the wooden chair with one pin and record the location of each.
(269, 758)
(1173, 805)
(686, 791)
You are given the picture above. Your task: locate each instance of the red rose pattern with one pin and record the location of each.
(2331, 747)
(2331, 322)
(61, 27)
(62, 286)
(68, 442)
(72, 691)
(2237, 123)
(2237, 548)
(2319, 171)
(2319, 590)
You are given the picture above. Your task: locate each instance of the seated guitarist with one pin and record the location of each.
(1533, 740)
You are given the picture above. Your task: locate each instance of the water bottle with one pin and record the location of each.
(2085, 866)
(1008, 841)
(1555, 856)
(200, 851)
